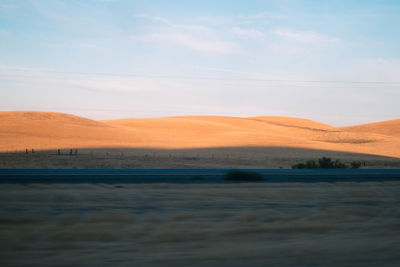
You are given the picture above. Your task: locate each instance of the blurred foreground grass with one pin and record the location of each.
(201, 225)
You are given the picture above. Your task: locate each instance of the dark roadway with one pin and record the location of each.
(123, 176)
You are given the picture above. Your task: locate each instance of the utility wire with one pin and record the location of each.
(200, 78)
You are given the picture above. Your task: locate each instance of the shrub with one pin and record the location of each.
(299, 166)
(339, 165)
(323, 163)
(243, 176)
(355, 164)
(311, 164)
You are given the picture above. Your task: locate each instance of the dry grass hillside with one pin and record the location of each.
(390, 128)
(49, 130)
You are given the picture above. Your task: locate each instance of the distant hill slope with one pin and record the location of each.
(390, 128)
(50, 130)
(294, 122)
(31, 118)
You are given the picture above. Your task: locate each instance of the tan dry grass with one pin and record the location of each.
(389, 128)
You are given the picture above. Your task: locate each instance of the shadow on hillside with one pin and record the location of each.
(217, 157)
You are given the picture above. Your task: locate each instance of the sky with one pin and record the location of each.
(336, 62)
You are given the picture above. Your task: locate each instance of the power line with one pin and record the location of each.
(266, 84)
(201, 78)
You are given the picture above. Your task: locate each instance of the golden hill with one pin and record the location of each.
(50, 130)
(390, 128)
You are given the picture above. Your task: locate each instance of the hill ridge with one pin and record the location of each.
(49, 130)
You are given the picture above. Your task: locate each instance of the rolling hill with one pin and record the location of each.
(389, 128)
(50, 130)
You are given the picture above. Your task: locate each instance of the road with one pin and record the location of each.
(122, 176)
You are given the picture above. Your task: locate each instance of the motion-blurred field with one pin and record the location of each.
(352, 224)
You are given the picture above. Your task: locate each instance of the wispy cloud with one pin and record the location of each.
(116, 84)
(74, 45)
(247, 33)
(66, 16)
(309, 37)
(190, 41)
(169, 23)
(262, 17)
(49, 78)
(195, 37)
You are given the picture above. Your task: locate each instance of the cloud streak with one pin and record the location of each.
(94, 82)
(167, 22)
(194, 37)
(247, 33)
(305, 37)
(190, 41)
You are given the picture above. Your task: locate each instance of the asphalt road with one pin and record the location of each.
(123, 176)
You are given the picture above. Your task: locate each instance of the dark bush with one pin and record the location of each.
(338, 165)
(355, 164)
(323, 163)
(299, 166)
(243, 176)
(311, 164)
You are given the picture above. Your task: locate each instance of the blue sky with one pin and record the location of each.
(337, 62)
